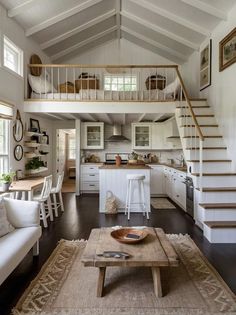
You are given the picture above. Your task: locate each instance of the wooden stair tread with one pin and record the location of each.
(192, 126)
(208, 148)
(214, 174)
(195, 99)
(218, 205)
(203, 136)
(194, 106)
(209, 161)
(220, 224)
(217, 189)
(199, 115)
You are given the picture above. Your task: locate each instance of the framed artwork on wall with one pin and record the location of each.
(34, 125)
(205, 66)
(227, 50)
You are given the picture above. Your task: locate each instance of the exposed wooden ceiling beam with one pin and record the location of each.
(109, 119)
(141, 117)
(60, 17)
(155, 44)
(157, 117)
(124, 119)
(172, 17)
(207, 8)
(160, 30)
(83, 43)
(78, 29)
(71, 116)
(118, 9)
(92, 117)
(54, 116)
(20, 8)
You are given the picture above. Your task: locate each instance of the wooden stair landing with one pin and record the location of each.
(208, 148)
(209, 161)
(220, 224)
(214, 174)
(217, 189)
(218, 205)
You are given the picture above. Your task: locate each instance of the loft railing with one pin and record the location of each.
(145, 83)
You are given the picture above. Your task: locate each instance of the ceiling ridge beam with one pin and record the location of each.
(83, 43)
(207, 8)
(155, 44)
(172, 17)
(20, 8)
(78, 29)
(160, 30)
(60, 17)
(118, 17)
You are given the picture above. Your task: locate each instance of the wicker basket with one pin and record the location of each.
(67, 87)
(110, 207)
(155, 82)
(86, 84)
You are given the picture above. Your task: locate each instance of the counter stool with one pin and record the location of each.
(57, 190)
(138, 181)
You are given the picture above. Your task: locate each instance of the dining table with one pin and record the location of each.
(27, 185)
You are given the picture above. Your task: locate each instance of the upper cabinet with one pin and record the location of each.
(92, 136)
(171, 134)
(141, 136)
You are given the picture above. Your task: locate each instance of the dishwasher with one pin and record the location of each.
(189, 196)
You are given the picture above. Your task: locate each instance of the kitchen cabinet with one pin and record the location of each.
(141, 136)
(89, 180)
(92, 136)
(171, 134)
(157, 180)
(157, 140)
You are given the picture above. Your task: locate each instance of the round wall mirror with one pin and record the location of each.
(18, 128)
(18, 152)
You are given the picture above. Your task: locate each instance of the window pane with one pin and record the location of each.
(13, 56)
(120, 83)
(4, 145)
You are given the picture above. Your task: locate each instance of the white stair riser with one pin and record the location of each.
(210, 167)
(207, 154)
(223, 197)
(197, 111)
(220, 215)
(200, 120)
(208, 142)
(206, 131)
(215, 181)
(222, 235)
(193, 103)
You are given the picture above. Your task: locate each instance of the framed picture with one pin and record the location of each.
(34, 125)
(227, 50)
(205, 66)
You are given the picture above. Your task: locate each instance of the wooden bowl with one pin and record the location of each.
(120, 235)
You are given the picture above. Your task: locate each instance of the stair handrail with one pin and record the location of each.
(190, 106)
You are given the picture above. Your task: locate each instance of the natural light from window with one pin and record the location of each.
(71, 147)
(4, 146)
(120, 83)
(13, 57)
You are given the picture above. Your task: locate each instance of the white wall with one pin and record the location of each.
(221, 95)
(12, 85)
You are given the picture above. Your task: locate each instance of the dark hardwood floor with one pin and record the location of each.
(81, 215)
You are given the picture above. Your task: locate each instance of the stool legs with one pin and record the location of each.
(61, 201)
(143, 200)
(43, 214)
(55, 204)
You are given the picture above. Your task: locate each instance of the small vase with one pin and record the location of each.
(5, 186)
(118, 160)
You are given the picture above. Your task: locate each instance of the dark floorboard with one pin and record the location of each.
(81, 215)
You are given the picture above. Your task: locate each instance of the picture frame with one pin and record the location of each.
(34, 125)
(227, 50)
(205, 66)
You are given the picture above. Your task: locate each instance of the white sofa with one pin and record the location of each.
(24, 216)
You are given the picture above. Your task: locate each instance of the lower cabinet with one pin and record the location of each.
(89, 180)
(157, 186)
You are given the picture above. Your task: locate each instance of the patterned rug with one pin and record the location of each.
(64, 286)
(161, 203)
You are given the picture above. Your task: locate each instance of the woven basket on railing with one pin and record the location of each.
(67, 87)
(156, 81)
(110, 207)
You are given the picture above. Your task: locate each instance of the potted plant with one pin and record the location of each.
(6, 180)
(34, 164)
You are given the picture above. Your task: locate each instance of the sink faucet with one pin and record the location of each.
(181, 160)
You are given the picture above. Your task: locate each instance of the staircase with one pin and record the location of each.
(211, 170)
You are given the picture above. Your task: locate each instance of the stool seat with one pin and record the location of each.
(136, 176)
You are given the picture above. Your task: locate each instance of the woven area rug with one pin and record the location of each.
(64, 286)
(161, 203)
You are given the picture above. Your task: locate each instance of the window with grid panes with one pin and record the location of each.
(4, 146)
(120, 82)
(13, 56)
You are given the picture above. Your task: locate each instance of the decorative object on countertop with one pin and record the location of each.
(156, 81)
(129, 235)
(92, 159)
(110, 207)
(133, 158)
(118, 160)
(161, 203)
(205, 66)
(6, 179)
(227, 50)
(18, 128)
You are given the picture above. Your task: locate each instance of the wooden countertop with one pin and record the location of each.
(178, 168)
(26, 184)
(125, 167)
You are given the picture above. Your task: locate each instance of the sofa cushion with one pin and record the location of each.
(5, 225)
(14, 246)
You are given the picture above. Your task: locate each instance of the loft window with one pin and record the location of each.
(120, 83)
(13, 57)
(4, 145)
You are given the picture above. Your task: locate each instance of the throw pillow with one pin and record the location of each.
(40, 85)
(5, 225)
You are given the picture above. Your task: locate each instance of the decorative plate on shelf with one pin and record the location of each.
(129, 235)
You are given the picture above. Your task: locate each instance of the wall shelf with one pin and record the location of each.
(36, 171)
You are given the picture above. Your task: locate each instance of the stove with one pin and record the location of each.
(110, 158)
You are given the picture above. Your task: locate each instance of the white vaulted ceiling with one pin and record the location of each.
(173, 29)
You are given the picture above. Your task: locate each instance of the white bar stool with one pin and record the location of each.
(138, 180)
(57, 190)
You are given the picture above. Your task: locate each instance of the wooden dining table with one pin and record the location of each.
(26, 186)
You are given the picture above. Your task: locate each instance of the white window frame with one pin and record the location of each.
(4, 155)
(7, 43)
(69, 149)
(120, 76)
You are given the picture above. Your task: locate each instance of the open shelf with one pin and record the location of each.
(36, 171)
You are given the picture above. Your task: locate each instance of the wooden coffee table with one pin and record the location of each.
(155, 251)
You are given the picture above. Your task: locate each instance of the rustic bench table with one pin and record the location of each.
(155, 251)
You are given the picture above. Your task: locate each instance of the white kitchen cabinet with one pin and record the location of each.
(92, 136)
(89, 180)
(171, 134)
(157, 138)
(141, 136)
(157, 186)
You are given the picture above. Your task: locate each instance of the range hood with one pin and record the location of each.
(117, 135)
